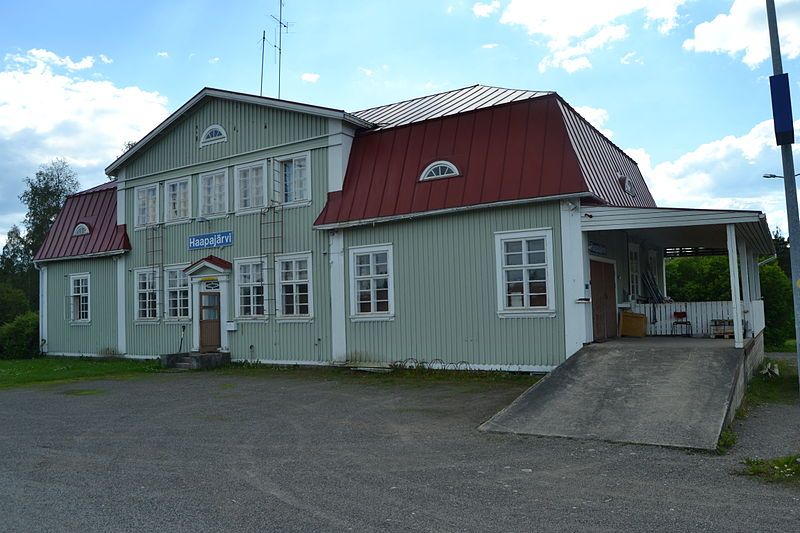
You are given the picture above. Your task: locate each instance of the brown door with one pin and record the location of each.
(604, 300)
(209, 321)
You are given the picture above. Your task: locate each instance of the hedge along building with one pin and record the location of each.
(449, 227)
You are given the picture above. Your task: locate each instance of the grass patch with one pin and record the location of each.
(787, 346)
(402, 377)
(20, 372)
(779, 470)
(726, 441)
(782, 389)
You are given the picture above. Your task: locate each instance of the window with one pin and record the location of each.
(250, 288)
(214, 193)
(371, 281)
(634, 275)
(177, 293)
(178, 200)
(146, 204)
(212, 135)
(439, 169)
(524, 272)
(294, 286)
(295, 179)
(79, 298)
(147, 294)
(251, 186)
(80, 229)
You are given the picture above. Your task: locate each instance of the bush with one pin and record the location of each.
(13, 303)
(20, 337)
(776, 290)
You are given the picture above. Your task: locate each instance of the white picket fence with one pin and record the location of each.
(661, 316)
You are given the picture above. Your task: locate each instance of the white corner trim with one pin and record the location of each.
(338, 306)
(122, 339)
(43, 308)
(573, 280)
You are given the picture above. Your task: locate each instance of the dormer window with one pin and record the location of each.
(627, 184)
(439, 169)
(80, 229)
(214, 134)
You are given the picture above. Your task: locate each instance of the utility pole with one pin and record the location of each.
(784, 135)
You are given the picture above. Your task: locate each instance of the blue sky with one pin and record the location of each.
(681, 85)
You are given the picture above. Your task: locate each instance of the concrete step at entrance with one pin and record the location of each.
(184, 364)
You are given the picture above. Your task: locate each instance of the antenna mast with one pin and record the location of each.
(263, 42)
(281, 27)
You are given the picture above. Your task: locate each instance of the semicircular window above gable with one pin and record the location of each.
(212, 135)
(439, 169)
(80, 229)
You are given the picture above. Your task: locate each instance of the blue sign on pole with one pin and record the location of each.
(782, 109)
(211, 240)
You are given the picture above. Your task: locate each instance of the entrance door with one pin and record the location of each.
(604, 300)
(209, 322)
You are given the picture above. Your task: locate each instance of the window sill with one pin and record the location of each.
(178, 221)
(294, 320)
(293, 205)
(146, 322)
(212, 216)
(545, 313)
(249, 211)
(251, 319)
(80, 323)
(371, 318)
(143, 227)
(186, 320)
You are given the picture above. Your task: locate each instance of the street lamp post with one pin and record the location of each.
(781, 110)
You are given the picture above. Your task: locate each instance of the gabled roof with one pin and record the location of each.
(211, 261)
(444, 104)
(95, 207)
(531, 147)
(209, 92)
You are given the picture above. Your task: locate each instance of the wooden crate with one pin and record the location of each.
(721, 328)
(632, 324)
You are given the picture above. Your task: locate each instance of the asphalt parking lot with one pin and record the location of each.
(213, 452)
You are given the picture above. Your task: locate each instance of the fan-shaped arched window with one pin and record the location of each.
(439, 169)
(213, 134)
(80, 229)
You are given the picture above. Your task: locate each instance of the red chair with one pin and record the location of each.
(679, 320)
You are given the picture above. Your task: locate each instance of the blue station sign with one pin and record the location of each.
(211, 240)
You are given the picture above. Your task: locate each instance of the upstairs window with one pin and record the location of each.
(146, 205)
(80, 229)
(439, 169)
(214, 193)
(294, 179)
(251, 186)
(212, 135)
(178, 198)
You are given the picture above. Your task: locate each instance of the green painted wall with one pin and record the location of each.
(249, 128)
(100, 335)
(446, 295)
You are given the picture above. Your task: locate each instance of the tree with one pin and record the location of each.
(776, 290)
(698, 279)
(782, 251)
(44, 196)
(15, 258)
(13, 302)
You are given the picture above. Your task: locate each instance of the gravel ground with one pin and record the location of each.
(209, 452)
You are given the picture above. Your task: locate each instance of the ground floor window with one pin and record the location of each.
(177, 293)
(371, 281)
(634, 272)
(250, 288)
(79, 298)
(294, 286)
(524, 271)
(147, 294)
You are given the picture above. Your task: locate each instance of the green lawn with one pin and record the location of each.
(780, 469)
(782, 389)
(787, 346)
(18, 372)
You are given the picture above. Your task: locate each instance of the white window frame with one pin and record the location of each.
(136, 292)
(527, 311)
(200, 203)
(72, 295)
(264, 185)
(454, 172)
(167, 289)
(280, 283)
(167, 217)
(80, 230)
(222, 139)
(355, 251)
(238, 284)
(138, 223)
(278, 196)
(634, 275)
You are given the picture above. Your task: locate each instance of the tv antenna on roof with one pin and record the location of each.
(282, 27)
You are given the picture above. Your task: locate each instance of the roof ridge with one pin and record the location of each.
(419, 98)
(96, 188)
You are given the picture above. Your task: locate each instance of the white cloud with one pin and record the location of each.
(49, 111)
(722, 174)
(574, 29)
(489, 46)
(309, 77)
(597, 117)
(366, 71)
(743, 31)
(105, 59)
(631, 57)
(481, 9)
(162, 54)
(214, 60)
(37, 56)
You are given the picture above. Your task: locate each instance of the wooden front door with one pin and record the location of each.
(604, 300)
(209, 321)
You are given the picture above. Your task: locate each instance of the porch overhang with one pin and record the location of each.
(682, 227)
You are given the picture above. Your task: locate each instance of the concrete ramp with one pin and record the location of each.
(663, 391)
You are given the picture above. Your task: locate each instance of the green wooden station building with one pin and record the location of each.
(483, 227)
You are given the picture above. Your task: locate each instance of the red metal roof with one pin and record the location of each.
(95, 207)
(536, 147)
(210, 259)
